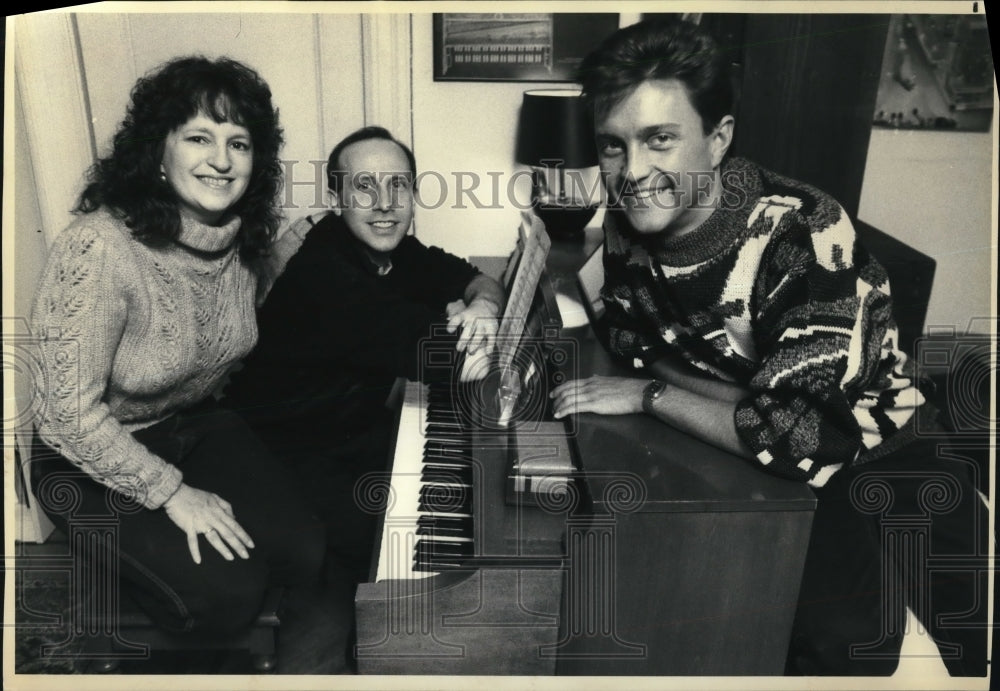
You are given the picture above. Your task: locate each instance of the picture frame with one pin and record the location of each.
(515, 46)
(937, 74)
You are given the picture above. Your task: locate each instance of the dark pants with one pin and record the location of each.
(342, 476)
(218, 453)
(908, 530)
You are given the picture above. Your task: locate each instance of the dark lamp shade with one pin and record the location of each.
(555, 126)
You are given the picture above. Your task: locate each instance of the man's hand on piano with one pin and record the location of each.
(476, 366)
(597, 394)
(478, 324)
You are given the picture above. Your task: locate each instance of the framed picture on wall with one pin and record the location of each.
(515, 47)
(937, 73)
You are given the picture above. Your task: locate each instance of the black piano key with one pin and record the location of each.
(445, 468)
(438, 565)
(461, 473)
(448, 532)
(445, 502)
(441, 414)
(444, 525)
(452, 521)
(460, 462)
(451, 441)
(443, 490)
(446, 476)
(452, 436)
(453, 447)
(450, 451)
(444, 416)
(449, 459)
(438, 509)
(434, 456)
(431, 487)
(433, 447)
(450, 427)
(444, 548)
(452, 455)
(437, 506)
(445, 495)
(464, 530)
(432, 533)
(433, 432)
(447, 492)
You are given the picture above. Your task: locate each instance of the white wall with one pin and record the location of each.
(932, 190)
(311, 62)
(468, 129)
(465, 127)
(24, 247)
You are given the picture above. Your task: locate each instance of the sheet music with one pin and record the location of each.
(536, 245)
(529, 259)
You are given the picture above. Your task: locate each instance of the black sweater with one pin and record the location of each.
(334, 334)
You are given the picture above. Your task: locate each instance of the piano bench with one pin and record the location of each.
(135, 629)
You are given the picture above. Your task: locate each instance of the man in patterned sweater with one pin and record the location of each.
(767, 329)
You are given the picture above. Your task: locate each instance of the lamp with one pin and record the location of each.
(555, 132)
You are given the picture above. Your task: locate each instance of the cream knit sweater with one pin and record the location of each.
(129, 334)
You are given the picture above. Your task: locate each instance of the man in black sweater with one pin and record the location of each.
(343, 320)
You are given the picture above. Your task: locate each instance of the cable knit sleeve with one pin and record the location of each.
(80, 311)
(825, 337)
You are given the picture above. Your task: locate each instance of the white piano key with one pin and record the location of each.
(399, 531)
(397, 544)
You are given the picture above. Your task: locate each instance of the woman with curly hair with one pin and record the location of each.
(146, 301)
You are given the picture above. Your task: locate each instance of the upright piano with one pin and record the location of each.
(598, 545)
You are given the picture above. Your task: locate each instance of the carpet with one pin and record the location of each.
(43, 617)
(315, 629)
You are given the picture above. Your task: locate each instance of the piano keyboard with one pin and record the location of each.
(428, 523)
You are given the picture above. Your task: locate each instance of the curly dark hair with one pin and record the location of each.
(128, 181)
(659, 49)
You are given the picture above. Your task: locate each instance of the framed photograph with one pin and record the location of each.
(937, 74)
(515, 47)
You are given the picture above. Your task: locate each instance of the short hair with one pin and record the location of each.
(659, 49)
(335, 172)
(128, 180)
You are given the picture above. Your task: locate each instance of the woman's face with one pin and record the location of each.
(208, 164)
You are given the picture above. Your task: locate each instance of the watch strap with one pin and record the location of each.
(653, 390)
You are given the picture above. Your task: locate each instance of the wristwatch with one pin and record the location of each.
(653, 390)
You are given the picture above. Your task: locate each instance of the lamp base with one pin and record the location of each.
(565, 221)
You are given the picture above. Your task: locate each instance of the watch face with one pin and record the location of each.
(655, 388)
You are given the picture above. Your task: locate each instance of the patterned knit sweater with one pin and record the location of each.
(129, 334)
(774, 293)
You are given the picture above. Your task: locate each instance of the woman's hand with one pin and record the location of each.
(478, 321)
(197, 511)
(597, 394)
